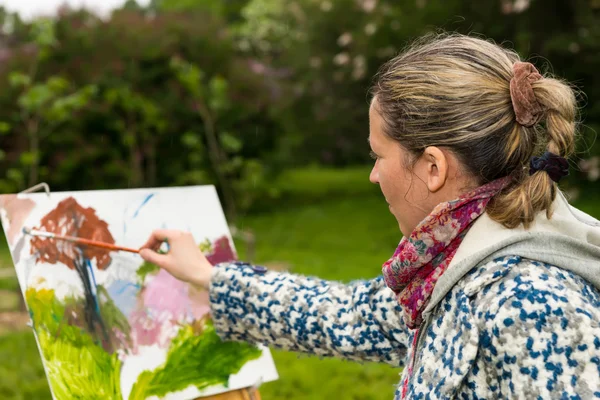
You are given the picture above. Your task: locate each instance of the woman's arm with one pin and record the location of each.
(361, 321)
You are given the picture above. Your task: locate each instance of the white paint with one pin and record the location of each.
(148, 359)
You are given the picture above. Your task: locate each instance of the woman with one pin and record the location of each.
(493, 291)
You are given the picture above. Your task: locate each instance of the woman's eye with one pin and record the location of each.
(373, 155)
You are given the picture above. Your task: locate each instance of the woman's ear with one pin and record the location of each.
(436, 164)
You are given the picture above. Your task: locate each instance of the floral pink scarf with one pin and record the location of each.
(424, 256)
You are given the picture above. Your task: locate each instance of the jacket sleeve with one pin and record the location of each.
(360, 321)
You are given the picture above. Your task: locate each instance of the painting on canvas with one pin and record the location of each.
(109, 325)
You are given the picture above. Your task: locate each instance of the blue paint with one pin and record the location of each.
(143, 204)
(93, 285)
(124, 295)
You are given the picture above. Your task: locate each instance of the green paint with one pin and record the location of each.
(78, 368)
(80, 372)
(201, 360)
(112, 315)
(44, 309)
(206, 246)
(145, 270)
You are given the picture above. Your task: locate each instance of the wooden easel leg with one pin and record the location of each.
(241, 394)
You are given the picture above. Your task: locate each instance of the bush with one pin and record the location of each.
(193, 92)
(133, 101)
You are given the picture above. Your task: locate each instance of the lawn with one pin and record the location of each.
(329, 224)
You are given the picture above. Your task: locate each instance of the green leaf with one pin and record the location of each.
(28, 158)
(57, 84)
(193, 177)
(4, 128)
(195, 157)
(89, 90)
(2, 155)
(128, 139)
(189, 75)
(17, 79)
(112, 95)
(36, 97)
(190, 139)
(62, 108)
(43, 32)
(230, 143)
(15, 175)
(218, 100)
(214, 7)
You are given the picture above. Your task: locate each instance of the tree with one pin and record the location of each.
(43, 105)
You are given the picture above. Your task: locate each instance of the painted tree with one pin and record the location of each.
(70, 218)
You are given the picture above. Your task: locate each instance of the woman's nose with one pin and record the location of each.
(374, 176)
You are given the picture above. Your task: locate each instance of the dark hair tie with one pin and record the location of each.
(557, 167)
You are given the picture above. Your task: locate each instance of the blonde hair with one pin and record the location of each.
(453, 91)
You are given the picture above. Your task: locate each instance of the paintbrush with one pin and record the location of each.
(82, 241)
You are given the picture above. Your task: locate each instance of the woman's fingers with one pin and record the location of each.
(162, 260)
(158, 237)
(184, 259)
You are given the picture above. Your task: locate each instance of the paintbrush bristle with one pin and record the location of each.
(26, 230)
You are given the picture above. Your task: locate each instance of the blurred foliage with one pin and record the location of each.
(137, 100)
(233, 92)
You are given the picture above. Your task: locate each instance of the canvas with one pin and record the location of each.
(109, 325)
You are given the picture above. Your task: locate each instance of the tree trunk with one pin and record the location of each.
(93, 318)
(218, 159)
(151, 170)
(34, 148)
(136, 159)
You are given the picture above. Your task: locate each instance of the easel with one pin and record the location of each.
(240, 394)
(250, 393)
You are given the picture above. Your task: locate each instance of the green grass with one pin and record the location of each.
(21, 372)
(6, 263)
(5, 260)
(319, 183)
(331, 224)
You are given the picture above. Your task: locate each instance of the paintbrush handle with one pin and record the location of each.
(86, 242)
(95, 243)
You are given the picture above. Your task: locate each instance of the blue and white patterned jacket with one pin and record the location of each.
(517, 315)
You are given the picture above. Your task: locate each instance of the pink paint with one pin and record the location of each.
(165, 303)
(17, 211)
(167, 294)
(200, 302)
(151, 328)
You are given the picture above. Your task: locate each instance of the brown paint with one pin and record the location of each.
(70, 218)
(17, 211)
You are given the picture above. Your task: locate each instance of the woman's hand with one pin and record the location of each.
(184, 259)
